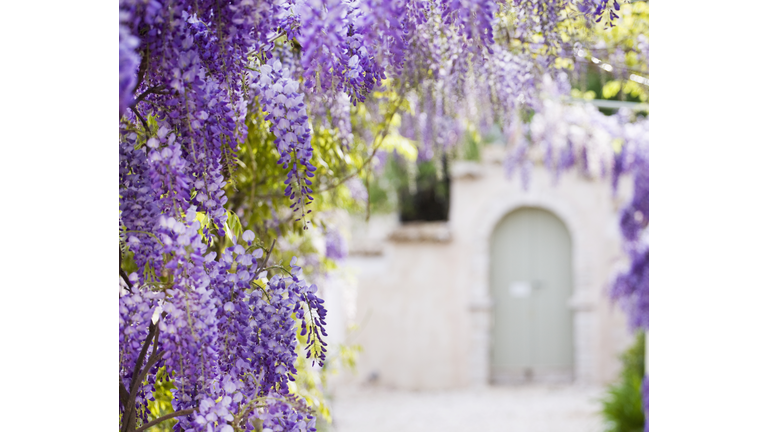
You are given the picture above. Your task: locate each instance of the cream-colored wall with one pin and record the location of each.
(423, 304)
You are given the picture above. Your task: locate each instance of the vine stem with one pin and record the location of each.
(380, 137)
(165, 417)
(377, 144)
(143, 122)
(129, 416)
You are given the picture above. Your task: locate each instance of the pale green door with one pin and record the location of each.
(530, 285)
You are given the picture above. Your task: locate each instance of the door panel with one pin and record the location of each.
(530, 285)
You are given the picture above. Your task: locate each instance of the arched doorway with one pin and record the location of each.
(531, 282)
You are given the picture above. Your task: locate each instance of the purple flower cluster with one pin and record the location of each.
(474, 17)
(347, 46)
(462, 80)
(598, 8)
(563, 136)
(136, 311)
(167, 167)
(188, 81)
(328, 63)
(537, 22)
(357, 189)
(352, 46)
(228, 343)
(631, 287)
(335, 245)
(187, 333)
(280, 415)
(284, 105)
(519, 160)
(138, 208)
(224, 334)
(129, 62)
(383, 27)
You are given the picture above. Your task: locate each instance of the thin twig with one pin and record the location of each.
(165, 417)
(263, 265)
(123, 395)
(144, 122)
(142, 353)
(142, 70)
(150, 362)
(132, 397)
(381, 135)
(127, 282)
(129, 414)
(152, 90)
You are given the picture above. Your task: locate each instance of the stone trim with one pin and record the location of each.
(582, 301)
(436, 232)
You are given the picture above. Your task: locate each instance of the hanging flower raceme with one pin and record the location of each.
(228, 342)
(129, 62)
(286, 415)
(137, 308)
(598, 8)
(284, 105)
(384, 26)
(200, 317)
(168, 174)
(474, 17)
(564, 136)
(190, 83)
(335, 245)
(188, 336)
(139, 211)
(323, 38)
(631, 287)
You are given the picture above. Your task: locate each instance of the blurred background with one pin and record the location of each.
(476, 303)
(472, 282)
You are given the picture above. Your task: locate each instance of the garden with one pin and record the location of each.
(249, 129)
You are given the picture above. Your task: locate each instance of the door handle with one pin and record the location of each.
(520, 289)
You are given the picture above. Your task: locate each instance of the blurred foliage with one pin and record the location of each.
(312, 381)
(615, 45)
(622, 407)
(256, 193)
(579, 39)
(162, 403)
(256, 202)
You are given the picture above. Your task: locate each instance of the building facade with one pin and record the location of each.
(512, 288)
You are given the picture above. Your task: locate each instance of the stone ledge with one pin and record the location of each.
(366, 249)
(466, 170)
(431, 232)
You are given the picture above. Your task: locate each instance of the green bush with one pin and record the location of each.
(622, 405)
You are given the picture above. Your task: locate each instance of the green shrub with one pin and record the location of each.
(622, 405)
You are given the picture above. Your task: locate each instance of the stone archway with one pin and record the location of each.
(481, 306)
(530, 284)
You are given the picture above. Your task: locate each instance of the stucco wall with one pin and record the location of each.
(423, 303)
